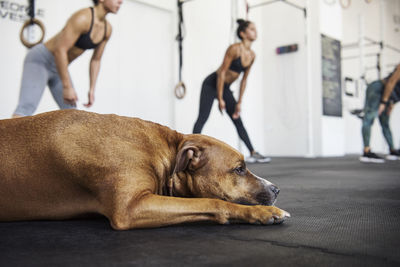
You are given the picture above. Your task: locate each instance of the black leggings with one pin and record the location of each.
(208, 94)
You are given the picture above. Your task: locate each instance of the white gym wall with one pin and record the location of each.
(282, 108)
(284, 79)
(333, 137)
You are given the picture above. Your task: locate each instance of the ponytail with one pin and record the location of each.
(243, 24)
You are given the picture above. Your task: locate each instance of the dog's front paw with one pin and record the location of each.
(281, 217)
(267, 215)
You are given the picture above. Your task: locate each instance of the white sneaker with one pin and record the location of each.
(257, 157)
(394, 155)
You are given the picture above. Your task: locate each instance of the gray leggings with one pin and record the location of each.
(39, 70)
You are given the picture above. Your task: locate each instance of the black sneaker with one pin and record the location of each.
(257, 157)
(358, 112)
(394, 155)
(370, 157)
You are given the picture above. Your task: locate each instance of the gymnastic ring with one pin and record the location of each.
(180, 90)
(26, 24)
(345, 3)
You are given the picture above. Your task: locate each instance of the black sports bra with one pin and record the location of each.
(84, 41)
(237, 66)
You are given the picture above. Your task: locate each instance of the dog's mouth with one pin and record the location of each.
(245, 202)
(265, 201)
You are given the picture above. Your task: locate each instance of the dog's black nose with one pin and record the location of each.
(275, 190)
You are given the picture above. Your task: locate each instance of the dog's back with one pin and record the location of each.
(50, 162)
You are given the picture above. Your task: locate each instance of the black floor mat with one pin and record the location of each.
(344, 213)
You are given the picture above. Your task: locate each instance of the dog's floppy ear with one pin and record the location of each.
(188, 158)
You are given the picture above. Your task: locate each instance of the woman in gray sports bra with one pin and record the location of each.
(47, 64)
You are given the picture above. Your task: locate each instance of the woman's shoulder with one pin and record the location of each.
(234, 49)
(235, 46)
(83, 15)
(108, 29)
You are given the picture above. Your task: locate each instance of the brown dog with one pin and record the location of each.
(64, 164)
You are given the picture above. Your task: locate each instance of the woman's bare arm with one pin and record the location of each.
(230, 55)
(94, 67)
(78, 23)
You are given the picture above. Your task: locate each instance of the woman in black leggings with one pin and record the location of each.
(238, 58)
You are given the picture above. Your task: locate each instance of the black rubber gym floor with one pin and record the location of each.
(344, 213)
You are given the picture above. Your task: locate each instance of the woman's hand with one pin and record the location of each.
(221, 105)
(389, 109)
(381, 108)
(238, 109)
(90, 99)
(70, 96)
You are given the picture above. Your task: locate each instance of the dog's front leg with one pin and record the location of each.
(155, 211)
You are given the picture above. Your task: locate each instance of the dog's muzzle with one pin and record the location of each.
(275, 190)
(268, 194)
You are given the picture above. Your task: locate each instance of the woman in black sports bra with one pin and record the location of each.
(238, 58)
(47, 64)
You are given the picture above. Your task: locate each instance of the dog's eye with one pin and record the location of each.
(240, 170)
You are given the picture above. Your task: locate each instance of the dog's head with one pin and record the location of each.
(208, 168)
